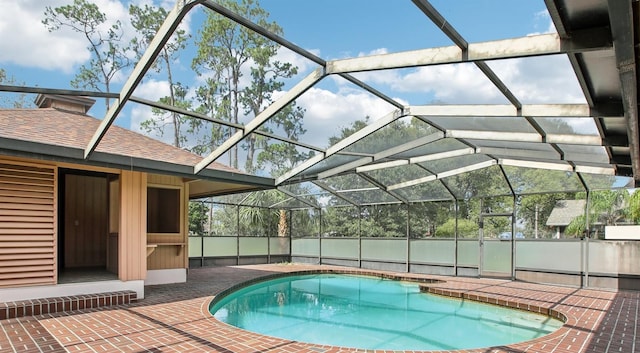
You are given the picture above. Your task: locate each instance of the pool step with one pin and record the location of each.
(33, 307)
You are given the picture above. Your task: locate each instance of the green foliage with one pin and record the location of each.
(108, 53)
(466, 229)
(198, 217)
(608, 207)
(340, 222)
(12, 100)
(304, 222)
(384, 220)
(226, 51)
(224, 220)
(634, 206)
(425, 218)
(577, 227)
(537, 208)
(147, 21)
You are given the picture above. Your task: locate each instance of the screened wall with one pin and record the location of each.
(553, 231)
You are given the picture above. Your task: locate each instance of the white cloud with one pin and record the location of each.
(152, 90)
(327, 112)
(542, 18)
(545, 79)
(25, 41)
(303, 64)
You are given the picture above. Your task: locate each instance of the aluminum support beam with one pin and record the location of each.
(504, 110)
(442, 175)
(418, 159)
(550, 165)
(441, 22)
(369, 129)
(286, 192)
(466, 169)
(519, 153)
(191, 114)
(589, 140)
(495, 135)
(412, 182)
(181, 8)
(293, 47)
(545, 44)
(594, 170)
(425, 140)
(300, 168)
(501, 86)
(364, 132)
(261, 118)
(623, 30)
(57, 91)
(344, 167)
(457, 38)
(535, 164)
(383, 165)
(383, 188)
(330, 190)
(213, 5)
(442, 155)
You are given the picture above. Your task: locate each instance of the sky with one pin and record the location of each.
(331, 29)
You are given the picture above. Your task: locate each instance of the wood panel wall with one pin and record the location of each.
(28, 225)
(85, 221)
(114, 225)
(132, 245)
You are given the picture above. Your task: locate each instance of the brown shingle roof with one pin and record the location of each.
(566, 211)
(62, 128)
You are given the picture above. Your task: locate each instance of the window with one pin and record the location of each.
(163, 210)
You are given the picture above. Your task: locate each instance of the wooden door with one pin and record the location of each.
(85, 221)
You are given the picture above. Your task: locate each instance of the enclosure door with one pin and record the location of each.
(496, 246)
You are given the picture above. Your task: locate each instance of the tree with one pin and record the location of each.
(15, 100)
(108, 53)
(634, 206)
(226, 50)
(605, 208)
(177, 98)
(375, 220)
(146, 21)
(466, 229)
(198, 216)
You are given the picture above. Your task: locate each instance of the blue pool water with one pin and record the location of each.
(373, 313)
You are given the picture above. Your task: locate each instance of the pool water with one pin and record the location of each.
(374, 313)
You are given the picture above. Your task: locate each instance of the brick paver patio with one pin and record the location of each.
(174, 318)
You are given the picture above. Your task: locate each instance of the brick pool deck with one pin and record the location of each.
(174, 318)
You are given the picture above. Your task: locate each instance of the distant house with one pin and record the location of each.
(117, 220)
(564, 212)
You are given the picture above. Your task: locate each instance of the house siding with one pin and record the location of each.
(28, 224)
(133, 226)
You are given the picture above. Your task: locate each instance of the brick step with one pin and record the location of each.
(33, 307)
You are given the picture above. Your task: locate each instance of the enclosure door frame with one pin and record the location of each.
(485, 255)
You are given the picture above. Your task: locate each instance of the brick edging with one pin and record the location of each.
(513, 304)
(33, 307)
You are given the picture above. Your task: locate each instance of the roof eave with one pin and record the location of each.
(56, 153)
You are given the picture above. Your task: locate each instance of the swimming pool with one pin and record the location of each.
(373, 313)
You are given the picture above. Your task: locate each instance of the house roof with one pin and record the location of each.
(67, 133)
(566, 211)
